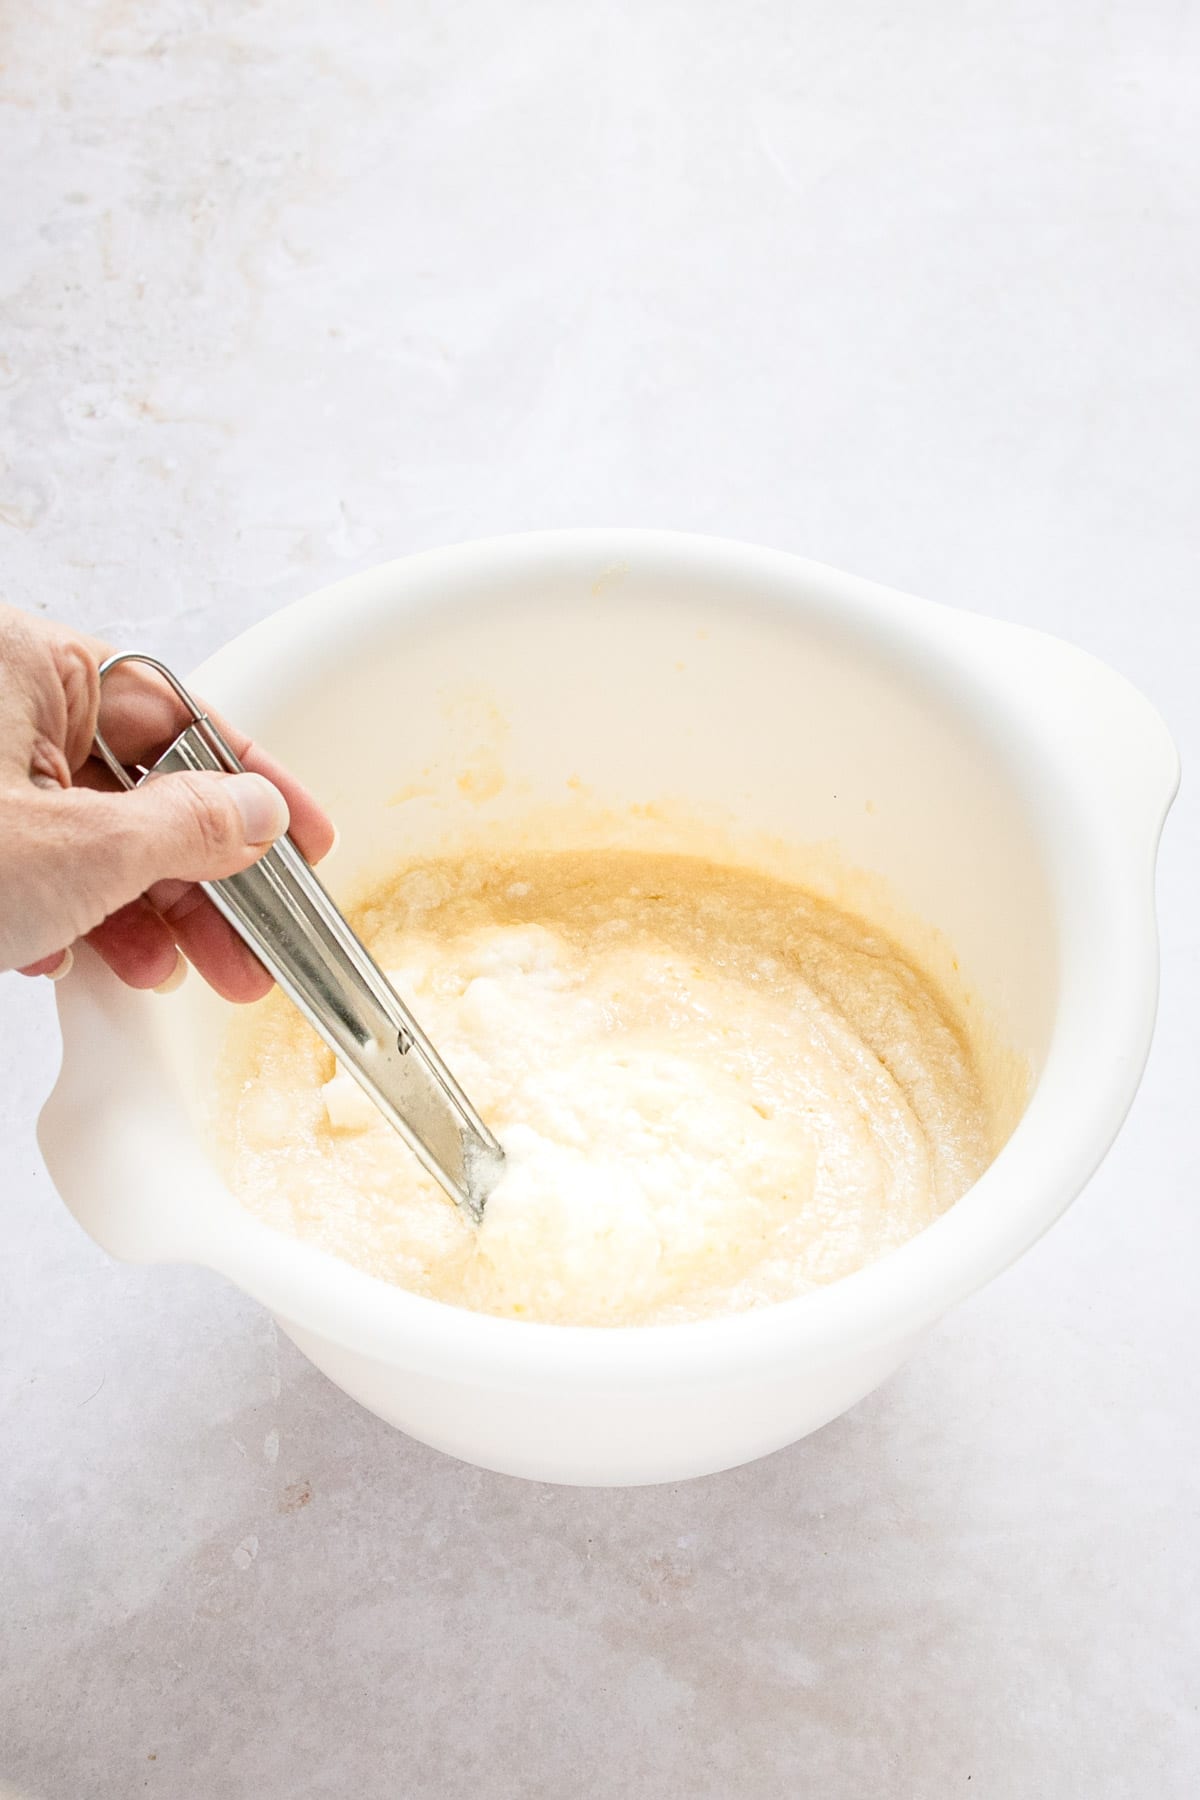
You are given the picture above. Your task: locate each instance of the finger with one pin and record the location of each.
(210, 943)
(50, 677)
(311, 830)
(78, 672)
(137, 945)
(92, 854)
(139, 717)
(55, 966)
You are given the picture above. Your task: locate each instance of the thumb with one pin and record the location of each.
(186, 827)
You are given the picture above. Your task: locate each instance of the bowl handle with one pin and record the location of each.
(1099, 725)
(133, 1177)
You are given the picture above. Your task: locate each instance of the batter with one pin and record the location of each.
(714, 1092)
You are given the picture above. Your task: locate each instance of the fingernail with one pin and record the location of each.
(337, 838)
(263, 808)
(62, 968)
(176, 978)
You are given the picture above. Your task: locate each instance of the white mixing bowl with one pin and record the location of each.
(1009, 788)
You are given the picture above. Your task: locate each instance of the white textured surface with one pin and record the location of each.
(292, 287)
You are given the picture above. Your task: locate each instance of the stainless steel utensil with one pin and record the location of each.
(290, 922)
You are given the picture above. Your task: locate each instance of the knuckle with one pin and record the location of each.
(209, 815)
(48, 766)
(78, 674)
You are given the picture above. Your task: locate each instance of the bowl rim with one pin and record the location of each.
(1099, 770)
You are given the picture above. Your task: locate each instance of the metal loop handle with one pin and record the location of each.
(198, 717)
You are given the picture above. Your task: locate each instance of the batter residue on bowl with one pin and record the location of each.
(714, 1090)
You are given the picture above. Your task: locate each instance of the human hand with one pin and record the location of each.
(81, 859)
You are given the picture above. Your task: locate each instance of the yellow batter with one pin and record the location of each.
(714, 1092)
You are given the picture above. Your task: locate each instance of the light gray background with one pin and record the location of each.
(293, 287)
